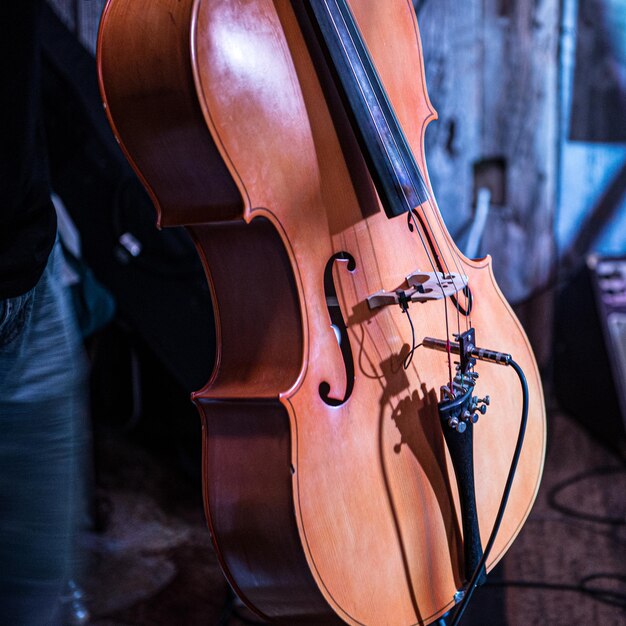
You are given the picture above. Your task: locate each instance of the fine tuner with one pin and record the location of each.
(460, 410)
(458, 406)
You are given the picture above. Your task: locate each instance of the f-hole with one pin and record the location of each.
(339, 326)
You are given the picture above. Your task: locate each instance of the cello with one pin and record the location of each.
(347, 477)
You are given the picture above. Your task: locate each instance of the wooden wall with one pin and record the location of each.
(592, 186)
(492, 75)
(492, 72)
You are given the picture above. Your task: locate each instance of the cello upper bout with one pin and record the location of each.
(146, 82)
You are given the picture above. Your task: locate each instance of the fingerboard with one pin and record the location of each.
(395, 173)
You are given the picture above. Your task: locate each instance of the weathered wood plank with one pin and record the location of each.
(587, 220)
(492, 71)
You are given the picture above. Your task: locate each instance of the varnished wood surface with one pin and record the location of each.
(257, 540)
(372, 488)
(160, 123)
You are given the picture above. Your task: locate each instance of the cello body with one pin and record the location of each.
(328, 489)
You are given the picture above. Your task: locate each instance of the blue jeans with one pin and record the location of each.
(43, 415)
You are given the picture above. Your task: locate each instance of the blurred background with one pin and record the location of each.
(528, 164)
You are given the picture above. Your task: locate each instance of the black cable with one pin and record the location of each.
(607, 596)
(409, 357)
(581, 515)
(603, 595)
(586, 586)
(505, 496)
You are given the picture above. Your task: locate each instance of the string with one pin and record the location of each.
(456, 265)
(443, 264)
(362, 52)
(441, 260)
(436, 251)
(455, 257)
(445, 307)
(407, 361)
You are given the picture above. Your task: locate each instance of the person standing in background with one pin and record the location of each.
(42, 364)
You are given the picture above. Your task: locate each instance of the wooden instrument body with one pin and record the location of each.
(316, 511)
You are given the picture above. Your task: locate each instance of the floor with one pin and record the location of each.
(152, 564)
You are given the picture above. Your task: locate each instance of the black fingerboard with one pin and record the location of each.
(395, 173)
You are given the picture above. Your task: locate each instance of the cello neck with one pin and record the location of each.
(396, 175)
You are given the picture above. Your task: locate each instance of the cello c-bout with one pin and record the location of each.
(329, 489)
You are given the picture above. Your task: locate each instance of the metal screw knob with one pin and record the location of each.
(457, 425)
